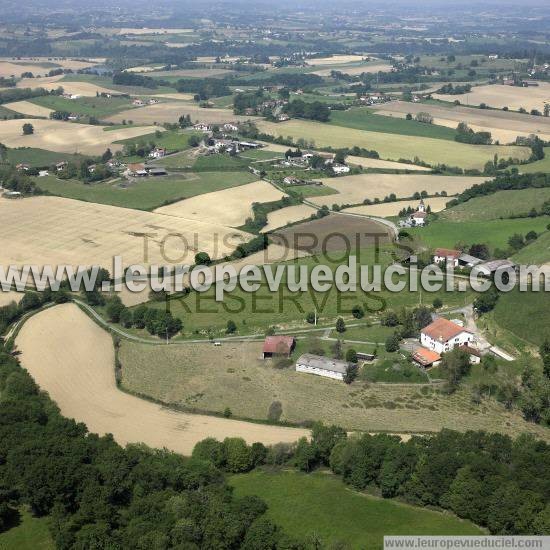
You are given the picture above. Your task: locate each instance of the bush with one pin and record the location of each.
(275, 411)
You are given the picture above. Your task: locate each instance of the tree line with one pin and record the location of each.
(490, 479)
(100, 495)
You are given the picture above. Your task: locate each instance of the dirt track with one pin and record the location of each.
(72, 358)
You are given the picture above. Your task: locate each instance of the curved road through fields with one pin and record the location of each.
(72, 358)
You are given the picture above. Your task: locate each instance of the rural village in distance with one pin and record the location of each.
(274, 277)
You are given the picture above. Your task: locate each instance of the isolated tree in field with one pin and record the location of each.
(202, 258)
(310, 318)
(231, 327)
(437, 303)
(28, 129)
(340, 325)
(108, 155)
(358, 312)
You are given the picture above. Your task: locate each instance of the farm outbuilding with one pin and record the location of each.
(278, 345)
(322, 366)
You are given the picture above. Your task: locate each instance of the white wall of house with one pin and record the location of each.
(319, 372)
(448, 260)
(442, 346)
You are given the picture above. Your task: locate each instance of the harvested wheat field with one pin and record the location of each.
(355, 189)
(72, 359)
(229, 207)
(497, 95)
(176, 96)
(67, 137)
(172, 110)
(9, 297)
(334, 60)
(385, 164)
(232, 375)
(54, 230)
(9, 69)
(394, 146)
(504, 126)
(290, 214)
(387, 209)
(355, 69)
(28, 108)
(144, 31)
(65, 63)
(87, 89)
(46, 82)
(193, 73)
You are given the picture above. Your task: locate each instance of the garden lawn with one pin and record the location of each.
(323, 506)
(147, 193)
(362, 118)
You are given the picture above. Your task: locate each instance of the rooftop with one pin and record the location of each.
(426, 356)
(447, 253)
(442, 329)
(278, 344)
(323, 363)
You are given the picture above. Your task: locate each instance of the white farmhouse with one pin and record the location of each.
(340, 168)
(321, 366)
(443, 335)
(447, 256)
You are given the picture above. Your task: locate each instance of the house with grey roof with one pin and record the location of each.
(322, 366)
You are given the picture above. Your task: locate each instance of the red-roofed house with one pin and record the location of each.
(443, 335)
(426, 357)
(278, 345)
(447, 255)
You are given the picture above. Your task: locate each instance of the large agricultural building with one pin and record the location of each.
(322, 366)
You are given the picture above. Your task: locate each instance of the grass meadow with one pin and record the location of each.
(31, 534)
(393, 146)
(494, 233)
(322, 505)
(286, 309)
(98, 107)
(525, 314)
(148, 193)
(539, 165)
(502, 204)
(362, 118)
(39, 157)
(204, 378)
